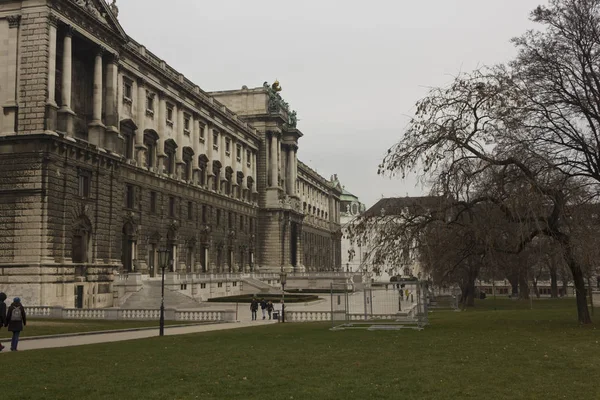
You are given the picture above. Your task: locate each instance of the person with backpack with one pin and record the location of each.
(15, 321)
(254, 308)
(270, 308)
(2, 313)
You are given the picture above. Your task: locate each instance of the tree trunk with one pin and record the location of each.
(583, 313)
(553, 283)
(535, 289)
(514, 283)
(523, 285)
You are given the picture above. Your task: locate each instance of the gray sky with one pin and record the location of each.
(353, 70)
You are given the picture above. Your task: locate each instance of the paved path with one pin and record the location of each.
(34, 344)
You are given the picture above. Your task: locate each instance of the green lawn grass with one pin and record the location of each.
(41, 327)
(481, 354)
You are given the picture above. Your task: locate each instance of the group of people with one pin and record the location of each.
(15, 319)
(266, 307)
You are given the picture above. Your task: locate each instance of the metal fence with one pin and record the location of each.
(387, 306)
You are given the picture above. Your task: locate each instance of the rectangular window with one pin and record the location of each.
(127, 90)
(218, 217)
(220, 284)
(216, 140)
(234, 284)
(149, 154)
(171, 206)
(85, 181)
(231, 220)
(248, 158)
(186, 124)
(130, 196)
(227, 147)
(203, 286)
(251, 225)
(190, 210)
(238, 153)
(201, 133)
(153, 202)
(149, 102)
(241, 223)
(170, 114)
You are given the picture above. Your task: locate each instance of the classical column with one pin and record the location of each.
(290, 171)
(244, 170)
(209, 154)
(179, 139)
(234, 183)
(195, 146)
(66, 114)
(51, 106)
(111, 139)
(140, 122)
(162, 131)
(294, 157)
(254, 173)
(10, 106)
(274, 160)
(96, 127)
(223, 158)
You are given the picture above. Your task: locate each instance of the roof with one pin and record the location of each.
(395, 205)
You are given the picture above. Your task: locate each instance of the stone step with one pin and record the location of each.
(150, 295)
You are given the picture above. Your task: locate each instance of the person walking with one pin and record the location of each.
(15, 321)
(263, 307)
(270, 308)
(254, 308)
(2, 314)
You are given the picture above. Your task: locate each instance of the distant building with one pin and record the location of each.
(399, 207)
(350, 209)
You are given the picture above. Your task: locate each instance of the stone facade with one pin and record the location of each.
(108, 154)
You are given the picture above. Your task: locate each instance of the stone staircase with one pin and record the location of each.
(251, 285)
(149, 298)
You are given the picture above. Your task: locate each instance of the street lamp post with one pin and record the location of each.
(283, 278)
(162, 261)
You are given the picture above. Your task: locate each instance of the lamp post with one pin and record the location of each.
(162, 261)
(283, 278)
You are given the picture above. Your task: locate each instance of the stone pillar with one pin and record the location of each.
(244, 170)
(51, 105)
(234, 166)
(254, 173)
(294, 169)
(10, 105)
(299, 250)
(179, 164)
(223, 158)
(96, 127)
(196, 127)
(210, 155)
(111, 139)
(289, 171)
(274, 160)
(162, 129)
(66, 114)
(140, 149)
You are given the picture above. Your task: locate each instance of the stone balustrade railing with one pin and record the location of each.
(129, 314)
(324, 316)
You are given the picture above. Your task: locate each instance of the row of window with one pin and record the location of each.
(187, 118)
(244, 223)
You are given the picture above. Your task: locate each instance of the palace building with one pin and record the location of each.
(108, 154)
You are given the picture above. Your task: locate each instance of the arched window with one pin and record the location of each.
(217, 172)
(202, 163)
(170, 149)
(188, 155)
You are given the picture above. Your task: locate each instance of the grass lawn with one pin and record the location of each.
(40, 327)
(512, 353)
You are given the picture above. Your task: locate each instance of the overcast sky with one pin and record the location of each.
(353, 70)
